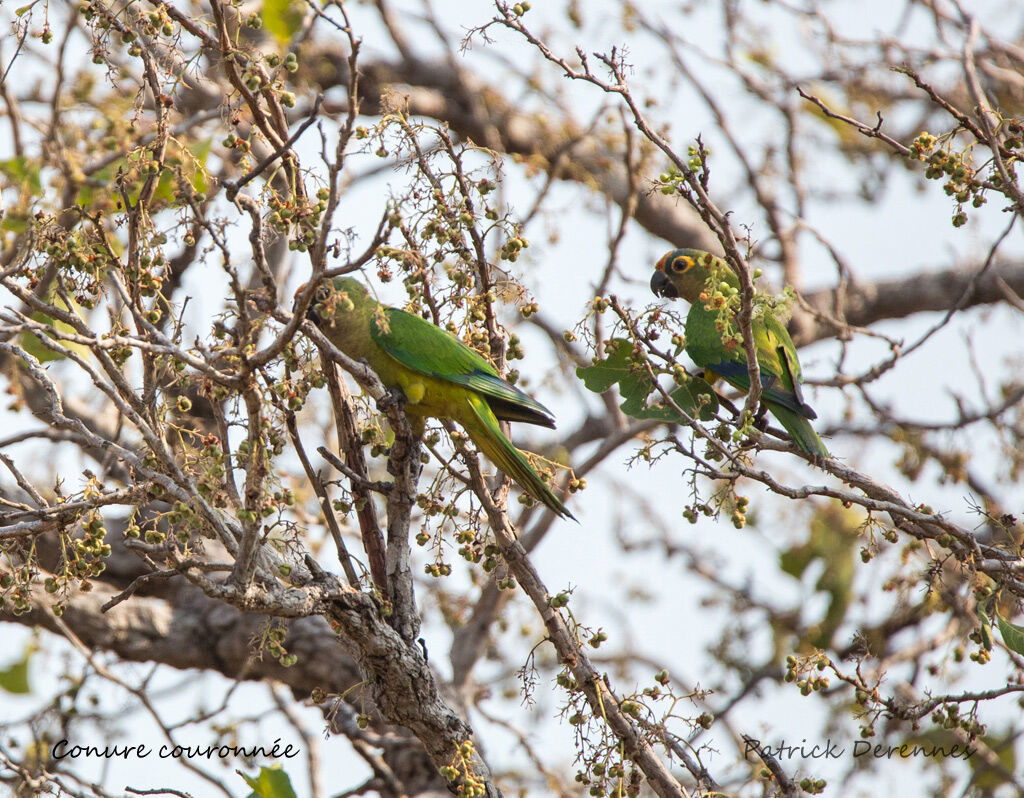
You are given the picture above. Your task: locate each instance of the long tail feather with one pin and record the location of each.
(800, 428)
(487, 435)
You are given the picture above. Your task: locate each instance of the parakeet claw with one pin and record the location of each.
(393, 397)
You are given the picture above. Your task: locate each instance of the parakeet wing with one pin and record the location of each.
(780, 369)
(423, 347)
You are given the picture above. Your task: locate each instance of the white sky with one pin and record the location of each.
(904, 232)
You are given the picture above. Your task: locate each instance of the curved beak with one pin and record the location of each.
(662, 286)
(311, 313)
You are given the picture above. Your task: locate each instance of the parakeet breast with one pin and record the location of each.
(703, 341)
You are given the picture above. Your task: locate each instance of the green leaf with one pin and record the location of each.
(34, 345)
(283, 18)
(14, 678)
(694, 397)
(272, 782)
(21, 11)
(96, 184)
(1013, 635)
(200, 153)
(988, 775)
(605, 373)
(986, 627)
(26, 172)
(165, 186)
(14, 222)
(833, 540)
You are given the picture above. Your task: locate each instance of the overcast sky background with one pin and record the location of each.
(904, 232)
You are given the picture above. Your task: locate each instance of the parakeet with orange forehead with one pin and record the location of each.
(685, 273)
(439, 375)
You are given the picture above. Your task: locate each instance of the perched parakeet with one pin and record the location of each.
(439, 375)
(684, 273)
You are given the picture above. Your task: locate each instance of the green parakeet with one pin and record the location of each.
(439, 375)
(684, 273)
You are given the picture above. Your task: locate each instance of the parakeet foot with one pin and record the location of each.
(817, 460)
(393, 397)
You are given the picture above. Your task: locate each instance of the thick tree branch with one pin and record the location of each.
(928, 291)
(475, 110)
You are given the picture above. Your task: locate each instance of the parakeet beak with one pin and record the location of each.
(311, 313)
(662, 286)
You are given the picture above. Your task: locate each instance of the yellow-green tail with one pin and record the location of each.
(487, 435)
(804, 436)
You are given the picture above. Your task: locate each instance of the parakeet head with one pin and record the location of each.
(681, 272)
(334, 296)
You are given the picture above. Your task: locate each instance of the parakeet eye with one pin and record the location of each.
(681, 264)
